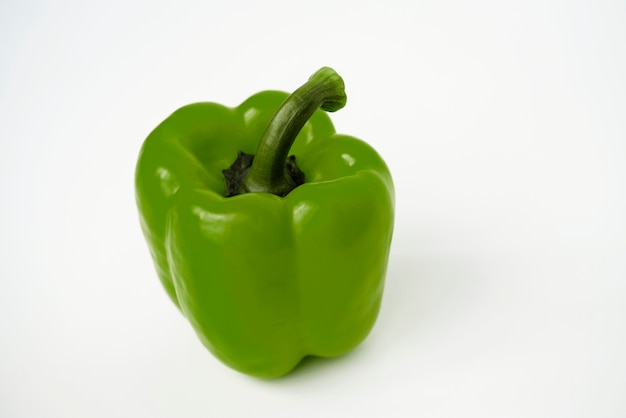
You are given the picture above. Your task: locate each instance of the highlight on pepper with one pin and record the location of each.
(269, 231)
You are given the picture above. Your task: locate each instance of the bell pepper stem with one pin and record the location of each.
(325, 90)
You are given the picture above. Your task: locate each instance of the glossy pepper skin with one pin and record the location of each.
(266, 280)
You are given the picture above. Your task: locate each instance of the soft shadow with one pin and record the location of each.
(311, 367)
(424, 290)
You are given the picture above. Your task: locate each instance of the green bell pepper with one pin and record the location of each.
(269, 261)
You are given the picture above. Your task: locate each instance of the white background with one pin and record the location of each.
(503, 123)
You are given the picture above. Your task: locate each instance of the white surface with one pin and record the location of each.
(504, 124)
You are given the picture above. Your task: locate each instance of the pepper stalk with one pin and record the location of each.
(269, 170)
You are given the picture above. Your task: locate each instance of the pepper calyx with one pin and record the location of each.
(235, 175)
